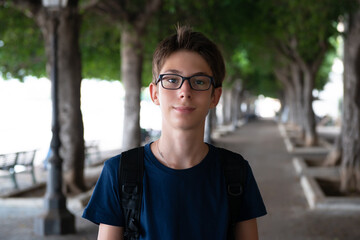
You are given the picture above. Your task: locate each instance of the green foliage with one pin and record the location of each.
(263, 83)
(257, 73)
(100, 48)
(22, 48)
(157, 29)
(247, 32)
(149, 48)
(308, 26)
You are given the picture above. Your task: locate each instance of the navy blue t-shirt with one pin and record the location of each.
(177, 204)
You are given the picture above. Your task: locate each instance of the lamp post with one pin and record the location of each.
(56, 219)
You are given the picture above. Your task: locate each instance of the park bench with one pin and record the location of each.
(92, 152)
(17, 162)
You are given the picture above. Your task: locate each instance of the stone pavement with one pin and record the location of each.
(289, 216)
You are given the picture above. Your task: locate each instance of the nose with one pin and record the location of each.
(185, 90)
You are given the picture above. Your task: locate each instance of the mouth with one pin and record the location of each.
(183, 109)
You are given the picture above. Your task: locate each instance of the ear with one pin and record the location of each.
(215, 97)
(154, 93)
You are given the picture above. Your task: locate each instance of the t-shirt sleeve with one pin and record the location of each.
(104, 205)
(252, 205)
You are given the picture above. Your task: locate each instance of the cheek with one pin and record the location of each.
(164, 98)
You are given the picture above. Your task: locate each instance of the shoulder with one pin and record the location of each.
(228, 153)
(104, 205)
(115, 162)
(230, 158)
(112, 162)
(109, 172)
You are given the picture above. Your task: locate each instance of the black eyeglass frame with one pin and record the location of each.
(212, 82)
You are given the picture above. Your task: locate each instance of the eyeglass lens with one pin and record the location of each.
(200, 83)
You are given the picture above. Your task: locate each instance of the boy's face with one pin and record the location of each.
(185, 107)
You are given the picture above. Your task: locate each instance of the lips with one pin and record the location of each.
(184, 109)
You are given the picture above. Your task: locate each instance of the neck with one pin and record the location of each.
(180, 149)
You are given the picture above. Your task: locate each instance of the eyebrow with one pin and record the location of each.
(173, 71)
(179, 72)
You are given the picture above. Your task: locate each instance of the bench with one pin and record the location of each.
(13, 163)
(92, 152)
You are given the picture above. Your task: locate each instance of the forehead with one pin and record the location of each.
(186, 63)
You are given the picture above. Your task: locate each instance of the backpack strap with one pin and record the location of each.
(131, 171)
(234, 167)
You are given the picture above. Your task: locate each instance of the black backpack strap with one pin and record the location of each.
(234, 167)
(131, 171)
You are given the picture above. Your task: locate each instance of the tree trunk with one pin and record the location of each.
(209, 125)
(131, 67)
(250, 107)
(289, 109)
(290, 98)
(350, 167)
(235, 103)
(133, 16)
(297, 80)
(334, 156)
(69, 75)
(226, 106)
(241, 101)
(311, 138)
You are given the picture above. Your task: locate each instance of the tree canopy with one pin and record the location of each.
(21, 45)
(248, 33)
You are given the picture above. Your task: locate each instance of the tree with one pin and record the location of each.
(283, 74)
(69, 66)
(350, 166)
(300, 31)
(132, 17)
(99, 43)
(15, 61)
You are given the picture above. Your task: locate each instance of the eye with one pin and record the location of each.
(199, 82)
(171, 79)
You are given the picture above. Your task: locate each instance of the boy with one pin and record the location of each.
(184, 190)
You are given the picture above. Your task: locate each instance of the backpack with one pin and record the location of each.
(131, 170)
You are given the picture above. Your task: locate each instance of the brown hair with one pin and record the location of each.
(186, 39)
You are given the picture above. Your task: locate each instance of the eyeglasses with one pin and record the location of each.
(175, 81)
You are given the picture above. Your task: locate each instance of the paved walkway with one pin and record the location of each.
(289, 216)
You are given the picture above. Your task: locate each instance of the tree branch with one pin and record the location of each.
(320, 57)
(297, 56)
(150, 8)
(282, 73)
(116, 10)
(108, 8)
(284, 50)
(28, 7)
(88, 6)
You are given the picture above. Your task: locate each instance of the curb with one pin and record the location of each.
(303, 151)
(313, 192)
(302, 169)
(317, 200)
